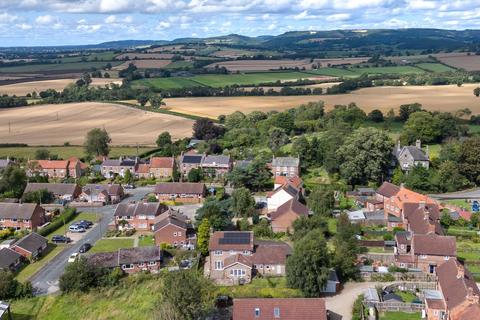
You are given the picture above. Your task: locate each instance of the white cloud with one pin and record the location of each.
(7, 18)
(24, 26)
(163, 25)
(111, 19)
(92, 28)
(338, 17)
(44, 20)
(273, 26)
(421, 4)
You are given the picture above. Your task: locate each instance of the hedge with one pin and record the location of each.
(67, 215)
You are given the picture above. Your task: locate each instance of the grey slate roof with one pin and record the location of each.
(140, 209)
(8, 257)
(17, 210)
(110, 189)
(139, 255)
(213, 160)
(31, 242)
(285, 162)
(124, 162)
(180, 188)
(417, 154)
(175, 219)
(55, 188)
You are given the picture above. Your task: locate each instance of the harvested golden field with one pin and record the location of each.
(22, 88)
(144, 64)
(441, 98)
(339, 61)
(39, 125)
(461, 60)
(134, 55)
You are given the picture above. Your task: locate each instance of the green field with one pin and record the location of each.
(179, 65)
(66, 152)
(167, 83)
(435, 67)
(112, 244)
(99, 56)
(387, 70)
(81, 216)
(74, 66)
(334, 72)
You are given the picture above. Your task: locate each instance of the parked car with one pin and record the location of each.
(73, 257)
(87, 222)
(84, 223)
(76, 228)
(84, 247)
(129, 186)
(60, 239)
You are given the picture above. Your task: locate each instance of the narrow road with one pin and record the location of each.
(46, 280)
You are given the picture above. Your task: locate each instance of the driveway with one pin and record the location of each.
(188, 210)
(46, 280)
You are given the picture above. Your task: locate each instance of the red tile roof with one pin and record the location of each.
(271, 252)
(388, 189)
(288, 309)
(143, 168)
(432, 244)
(238, 258)
(52, 164)
(161, 162)
(296, 181)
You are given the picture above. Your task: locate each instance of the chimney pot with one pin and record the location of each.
(418, 144)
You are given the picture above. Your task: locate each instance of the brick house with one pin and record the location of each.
(112, 167)
(10, 260)
(286, 166)
(282, 219)
(31, 246)
(189, 161)
(270, 257)
(50, 168)
(386, 191)
(190, 192)
(409, 157)
(61, 191)
(427, 251)
(161, 167)
(459, 291)
(130, 260)
(420, 218)
(295, 181)
(279, 308)
(216, 166)
(282, 195)
(76, 168)
(106, 193)
(21, 216)
(142, 171)
(174, 229)
(139, 216)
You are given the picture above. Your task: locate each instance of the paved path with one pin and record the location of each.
(46, 280)
(188, 210)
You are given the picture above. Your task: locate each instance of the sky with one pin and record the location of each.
(67, 22)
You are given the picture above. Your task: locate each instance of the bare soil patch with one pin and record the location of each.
(39, 125)
(460, 60)
(143, 64)
(441, 98)
(23, 88)
(339, 61)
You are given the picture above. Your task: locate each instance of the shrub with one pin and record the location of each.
(67, 216)
(10, 288)
(383, 277)
(357, 309)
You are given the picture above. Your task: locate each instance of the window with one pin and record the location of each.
(179, 233)
(246, 252)
(276, 312)
(174, 234)
(152, 263)
(218, 252)
(402, 265)
(402, 246)
(422, 256)
(141, 265)
(257, 312)
(446, 258)
(218, 265)
(127, 266)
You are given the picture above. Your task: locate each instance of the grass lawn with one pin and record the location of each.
(399, 316)
(406, 296)
(29, 270)
(167, 83)
(461, 231)
(435, 67)
(316, 176)
(111, 244)
(134, 298)
(468, 250)
(460, 203)
(81, 216)
(146, 241)
(66, 152)
(261, 288)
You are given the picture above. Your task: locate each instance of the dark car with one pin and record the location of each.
(85, 247)
(85, 224)
(60, 239)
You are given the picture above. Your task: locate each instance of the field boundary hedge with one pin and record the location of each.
(66, 216)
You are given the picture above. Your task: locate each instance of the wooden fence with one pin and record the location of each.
(387, 258)
(397, 306)
(399, 276)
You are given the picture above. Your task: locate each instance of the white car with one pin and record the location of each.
(76, 228)
(73, 257)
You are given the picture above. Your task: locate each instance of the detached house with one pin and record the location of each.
(286, 166)
(282, 219)
(282, 195)
(110, 193)
(31, 246)
(189, 161)
(409, 157)
(270, 257)
(139, 216)
(9, 260)
(275, 308)
(190, 192)
(216, 166)
(50, 168)
(61, 191)
(424, 251)
(174, 229)
(130, 260)
(21, 216)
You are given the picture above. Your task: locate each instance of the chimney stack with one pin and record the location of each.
(427, 151)
(460, 271)
(418, 144)
(399, 146)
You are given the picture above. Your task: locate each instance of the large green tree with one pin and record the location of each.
(321, 200)
(96, 142)
(346, 249)
(13, 181)
(308, 267)
(218, 213)
(365, 156)
(469, 161)
(256, 176)
(277, 138)
(423, 126)
(203, 236)
(243, 204)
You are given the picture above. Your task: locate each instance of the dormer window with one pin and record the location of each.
(276, 312)
(257, 312)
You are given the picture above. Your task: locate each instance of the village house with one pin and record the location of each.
(216, 166)
(282, 195)
(142, 171)
(409, 157)
(386, 191)
(425, 252)
(270, 257)
(459, 291)
(10, 260)
(286, 166)
(31, 246)
(282, 219)
(295, 181)
(188, 192)
(53, 169)
(279, 308)
(21, 216)
(104, 193)
(139, 216)
(419, 218)
(76, 167)
(130, 260)
(189, 161)
(161, 167)
(112, 167)
(61, 191)
(174, 229)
